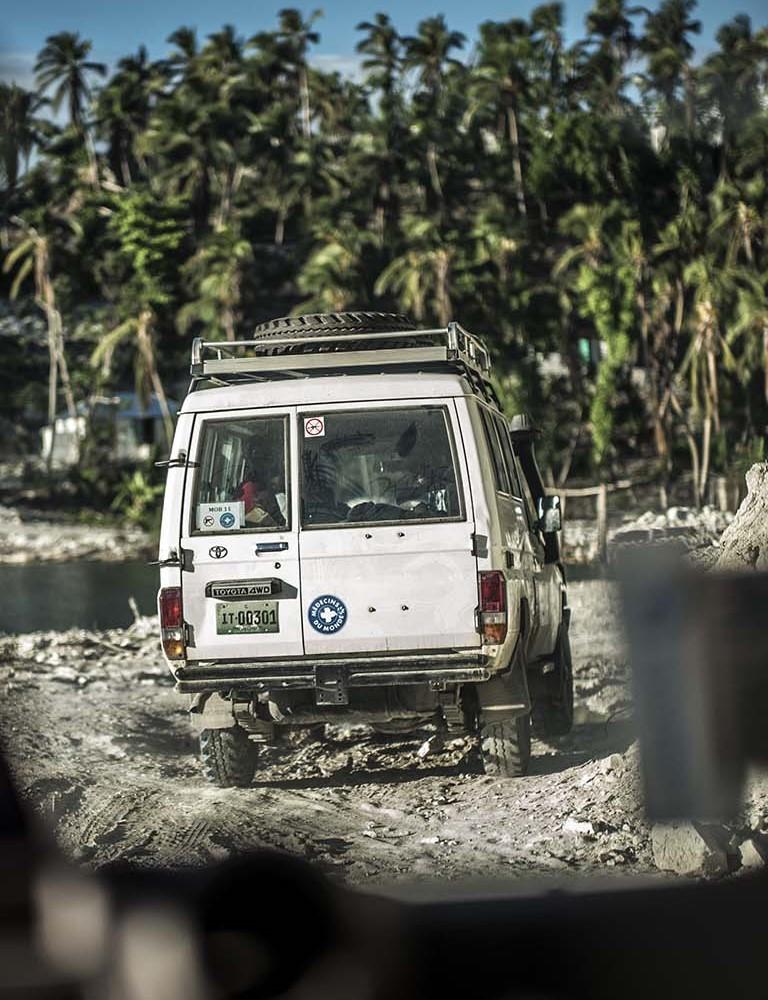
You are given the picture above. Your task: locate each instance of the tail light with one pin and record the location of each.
(493, 607)
(172, 623)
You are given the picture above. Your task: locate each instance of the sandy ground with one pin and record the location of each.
(102, 749)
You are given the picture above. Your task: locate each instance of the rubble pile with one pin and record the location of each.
(30, 538)
(107, 659)
(696, 532)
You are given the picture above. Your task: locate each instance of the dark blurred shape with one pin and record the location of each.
(699, 651)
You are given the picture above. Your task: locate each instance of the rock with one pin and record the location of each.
(752, 853)
(614, 763)
(744, 543)
(687, 849)
(65, 675)
(578, 827)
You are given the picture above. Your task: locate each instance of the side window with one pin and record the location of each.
(530, 505)
(243, 480)
(509, 460)
(497, 459)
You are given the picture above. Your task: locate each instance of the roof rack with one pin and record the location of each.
(275, 356)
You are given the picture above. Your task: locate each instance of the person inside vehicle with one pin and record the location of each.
(257, 491)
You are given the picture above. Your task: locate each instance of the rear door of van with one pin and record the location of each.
(387, 562)
(239, 535)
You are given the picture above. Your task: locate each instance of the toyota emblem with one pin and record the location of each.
(217, 552)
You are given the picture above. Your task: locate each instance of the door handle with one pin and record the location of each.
(270, 547)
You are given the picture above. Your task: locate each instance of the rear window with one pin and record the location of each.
(243, 482)
(365, 467)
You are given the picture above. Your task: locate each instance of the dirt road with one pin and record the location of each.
(102, 748)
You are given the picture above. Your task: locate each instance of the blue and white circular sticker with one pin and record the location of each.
(227, 519)
(327, 614)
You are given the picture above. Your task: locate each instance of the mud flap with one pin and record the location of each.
(210, 711)
(504, 696)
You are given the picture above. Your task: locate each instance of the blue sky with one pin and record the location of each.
(117, 27)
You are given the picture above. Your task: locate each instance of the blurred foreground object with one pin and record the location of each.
(698, 645)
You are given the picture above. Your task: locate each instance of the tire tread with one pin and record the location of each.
(228, 757)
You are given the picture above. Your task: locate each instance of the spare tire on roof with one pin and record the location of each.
(323, 324)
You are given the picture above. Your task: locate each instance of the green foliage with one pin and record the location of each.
(138, 500)
(524, 188)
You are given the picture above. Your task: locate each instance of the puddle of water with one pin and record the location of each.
(43, 596)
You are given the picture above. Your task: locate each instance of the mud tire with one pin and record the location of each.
(323, 324)
(505, 747)
(228, 757)
(553, 701)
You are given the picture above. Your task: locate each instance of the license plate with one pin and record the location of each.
(247, 616)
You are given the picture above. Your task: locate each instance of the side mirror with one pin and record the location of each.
(549, 514)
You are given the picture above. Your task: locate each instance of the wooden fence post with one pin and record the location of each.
(602, 523)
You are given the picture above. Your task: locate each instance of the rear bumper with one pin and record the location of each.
(363, 671)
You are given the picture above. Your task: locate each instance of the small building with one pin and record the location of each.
(129, 429)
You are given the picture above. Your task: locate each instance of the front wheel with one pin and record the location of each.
(228, 757)
(505, 747)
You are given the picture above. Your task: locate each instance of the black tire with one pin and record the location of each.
(505, 747)
(342, 322)
(553, 694)
(228, 757)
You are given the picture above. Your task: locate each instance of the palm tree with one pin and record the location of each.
(428, 53)
(216, 275)
(32, 256)
(731, 80)
(424, 268)
(294, 36)
(501, 81)
(614, 41)
(20, 131)
(148, 234)
(123, 108)
(63, 64)
(713, 284)
(669, 51)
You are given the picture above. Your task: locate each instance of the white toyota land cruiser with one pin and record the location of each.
(352, 531)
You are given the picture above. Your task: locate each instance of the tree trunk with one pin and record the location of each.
(434, 174)
(229, 323)
(144, 338)
(442, 291)
(706, 450)
(280, 227)
(517, 166)
(305, 109)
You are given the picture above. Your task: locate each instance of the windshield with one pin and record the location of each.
(385, 465)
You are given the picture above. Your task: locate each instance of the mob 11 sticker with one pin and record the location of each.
(220, 516)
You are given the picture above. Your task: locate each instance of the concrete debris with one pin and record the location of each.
(744, 544)
(695, 532)
(753, 854)
(687, 849)
(578, 827)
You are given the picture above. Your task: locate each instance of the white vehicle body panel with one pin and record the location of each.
(408, 586)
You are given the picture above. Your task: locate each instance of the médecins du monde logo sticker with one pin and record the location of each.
(327, 614)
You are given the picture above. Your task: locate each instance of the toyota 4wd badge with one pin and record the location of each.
(327, 614)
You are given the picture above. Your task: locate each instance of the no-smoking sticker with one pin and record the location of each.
(314, 427)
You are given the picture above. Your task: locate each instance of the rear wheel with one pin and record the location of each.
(505, 747)
(553, 694)
(228, 757)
